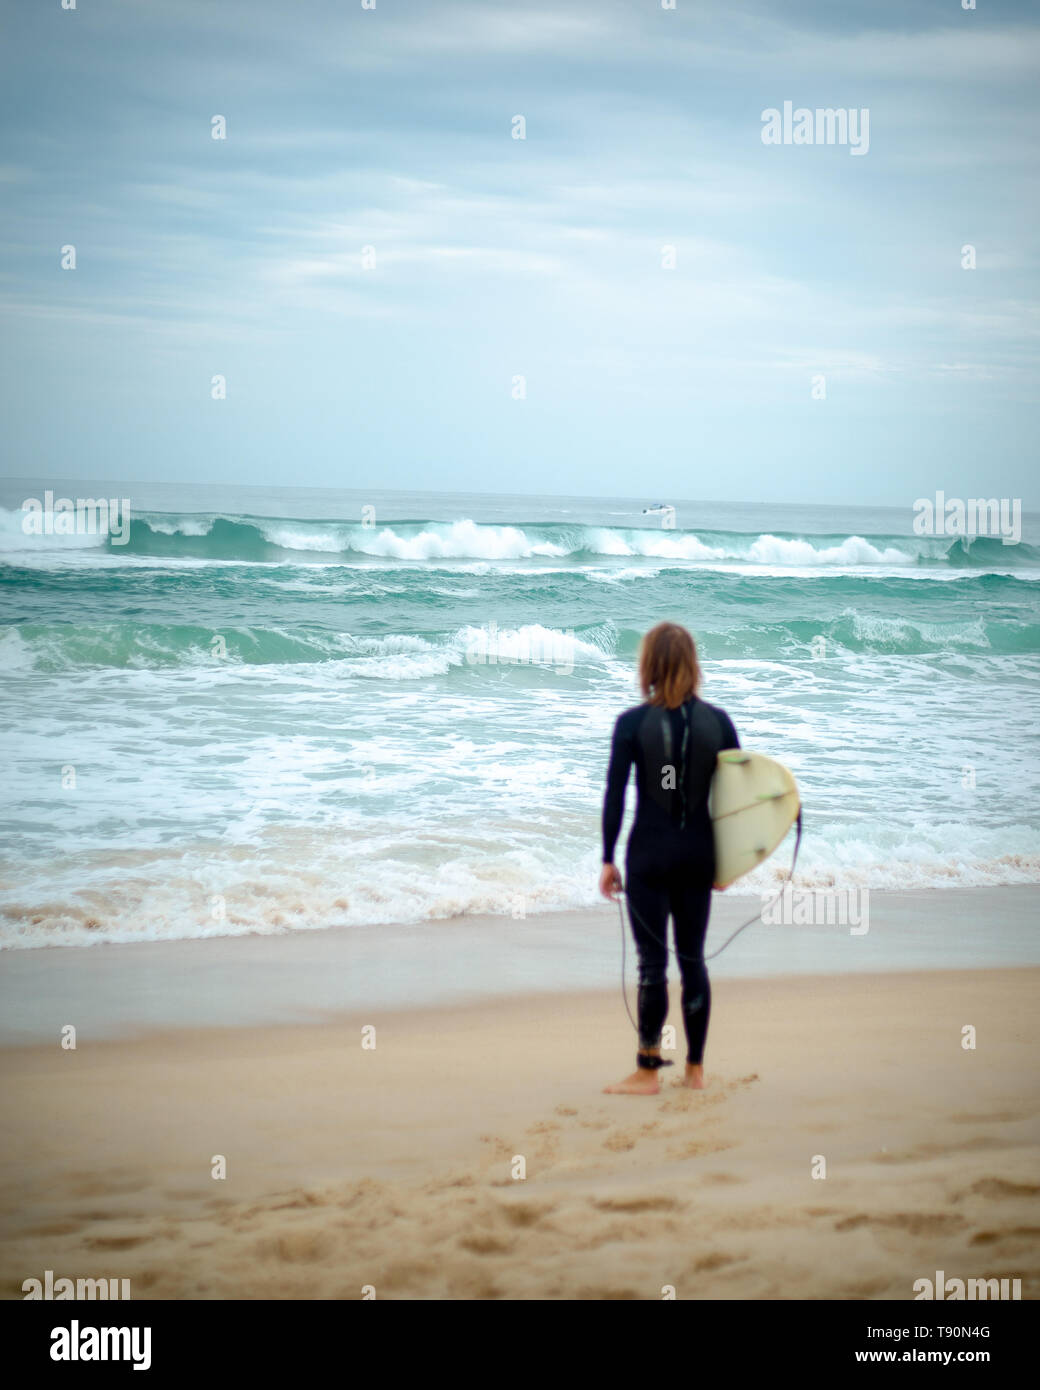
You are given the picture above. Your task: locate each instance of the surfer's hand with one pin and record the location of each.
(610, 884)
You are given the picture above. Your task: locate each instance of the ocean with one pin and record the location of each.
(278, 710)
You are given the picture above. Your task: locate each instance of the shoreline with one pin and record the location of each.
(113, 990)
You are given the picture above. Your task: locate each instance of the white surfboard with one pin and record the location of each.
(753, 802)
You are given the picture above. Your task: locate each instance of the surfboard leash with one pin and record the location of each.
(718, 952)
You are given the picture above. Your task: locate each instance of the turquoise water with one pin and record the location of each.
(279, 715)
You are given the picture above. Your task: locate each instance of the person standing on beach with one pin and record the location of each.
(673, 739)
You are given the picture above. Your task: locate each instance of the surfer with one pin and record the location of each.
(673, 740)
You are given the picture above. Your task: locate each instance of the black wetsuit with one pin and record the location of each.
(670, 862)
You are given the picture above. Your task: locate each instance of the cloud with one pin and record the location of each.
(391, 129)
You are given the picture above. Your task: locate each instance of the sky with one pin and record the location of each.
(518, 322)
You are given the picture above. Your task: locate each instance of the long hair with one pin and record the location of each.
(669, 672)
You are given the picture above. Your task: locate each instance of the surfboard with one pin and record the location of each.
(753, 803)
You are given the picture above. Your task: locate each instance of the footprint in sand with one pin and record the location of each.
(913, 1223)
(1010, 1233)
(636, 1204)
(450, 1183)
(56, 1228)
(623, 1139)
(123, 1242)
(302, 1246)
(524, 1213)
(866, 1288)
(300, 1200)
(698, 1148)
(716, 1260)
(715, 1093)
(500, 1149)
(1001, 1187)
(110, 1184)
(487, 1244)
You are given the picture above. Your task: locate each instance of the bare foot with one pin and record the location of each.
(694, 1078)
(642, 1082)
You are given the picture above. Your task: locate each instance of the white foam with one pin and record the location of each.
(15, 654)
(460, 539)
(14, 539)
(180, 526)
(303, 537)
(872, 627)
(854, 551)
(530, 643)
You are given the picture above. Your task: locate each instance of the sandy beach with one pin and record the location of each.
(463, 463)
(396, 1166)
